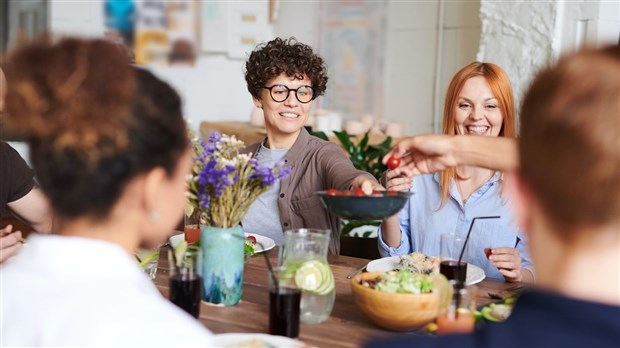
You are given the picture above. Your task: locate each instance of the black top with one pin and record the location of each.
(16, 178)
(539, 319)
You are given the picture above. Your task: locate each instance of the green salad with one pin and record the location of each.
(403, 282)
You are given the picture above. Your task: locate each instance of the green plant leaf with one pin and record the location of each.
(353, 224)
(321, 135)
(364, 142)
(346, 142)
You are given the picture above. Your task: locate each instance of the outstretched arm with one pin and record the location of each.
(426, 154)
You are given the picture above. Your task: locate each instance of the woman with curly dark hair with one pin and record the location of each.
(109, 145)
(284, 78)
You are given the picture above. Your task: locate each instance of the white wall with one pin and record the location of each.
(522, 37)
(213, 90)
(519, 36)
(421, 60)
(411, 57)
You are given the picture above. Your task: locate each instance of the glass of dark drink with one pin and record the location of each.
(186, 279)
(451, 246)
(284, 301)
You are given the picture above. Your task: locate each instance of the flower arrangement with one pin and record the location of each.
(225, 182)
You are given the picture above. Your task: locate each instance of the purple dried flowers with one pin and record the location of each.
(225, 182)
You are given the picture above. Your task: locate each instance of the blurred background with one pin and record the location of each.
(389, 62)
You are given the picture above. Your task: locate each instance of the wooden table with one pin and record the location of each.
(346, 327)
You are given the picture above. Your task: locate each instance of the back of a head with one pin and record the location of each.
(570, 140)
(93, 122)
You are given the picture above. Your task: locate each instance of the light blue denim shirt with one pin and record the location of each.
(422, 222)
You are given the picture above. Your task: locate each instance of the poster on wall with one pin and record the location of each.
(353, 46)
(182, 32)
(151, 37)
(235, 28)
(119, 22)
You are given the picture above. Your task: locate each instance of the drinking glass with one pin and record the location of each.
(147, 259)
(304, 252)
(284, 302)
(186, 279)
(451, 246)
(458, 317)
(191, 227)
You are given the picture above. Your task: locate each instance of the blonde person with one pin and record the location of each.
(284, 78)
(566, 194)
(110, 148)
(479, 103)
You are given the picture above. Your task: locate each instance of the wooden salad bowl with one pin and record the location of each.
(394, 311)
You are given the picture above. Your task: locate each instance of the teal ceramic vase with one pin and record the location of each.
(222, 270)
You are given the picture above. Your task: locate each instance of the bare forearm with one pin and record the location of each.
(35, 209)
(390, 231)
(497, 153)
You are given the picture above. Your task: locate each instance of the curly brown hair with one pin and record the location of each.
(92, 121)
(288, 56)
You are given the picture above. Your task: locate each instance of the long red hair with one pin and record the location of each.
(502, 90)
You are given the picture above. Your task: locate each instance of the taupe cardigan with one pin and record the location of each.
(316, 165)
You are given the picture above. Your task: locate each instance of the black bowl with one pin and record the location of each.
(377, 206)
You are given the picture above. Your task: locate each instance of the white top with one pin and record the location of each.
(72, 291)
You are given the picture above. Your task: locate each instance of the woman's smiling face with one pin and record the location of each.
(477, 110)
(289, 116)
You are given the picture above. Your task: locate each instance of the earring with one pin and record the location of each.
(154, 216)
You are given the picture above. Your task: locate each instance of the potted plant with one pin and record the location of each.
(358, 237)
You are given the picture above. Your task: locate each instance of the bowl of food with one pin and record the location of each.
(400, 301)
(355, 205)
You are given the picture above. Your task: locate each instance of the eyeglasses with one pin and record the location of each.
(280, 93)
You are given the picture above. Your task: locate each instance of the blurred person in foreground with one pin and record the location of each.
(479, 103)
(284, 78)
(566, 193)
(18, 192)
(110, 147)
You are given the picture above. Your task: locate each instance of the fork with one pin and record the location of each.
(356, 272)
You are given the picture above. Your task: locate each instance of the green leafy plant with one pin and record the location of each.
(364, 157)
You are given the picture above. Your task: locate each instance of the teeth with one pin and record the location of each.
(289, 115)
(477, 129)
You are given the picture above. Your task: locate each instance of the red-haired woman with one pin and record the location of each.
(479, 102)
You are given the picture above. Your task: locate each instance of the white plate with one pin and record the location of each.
(267, 242)
(234, 339)
(475, 274)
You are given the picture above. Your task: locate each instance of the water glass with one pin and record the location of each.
(186, 279)
(459, 316)
(451, 246)
(147, 259)
(284, 301)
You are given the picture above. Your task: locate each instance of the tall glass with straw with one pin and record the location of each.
(459, 317)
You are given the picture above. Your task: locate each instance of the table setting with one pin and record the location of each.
(245, 288)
